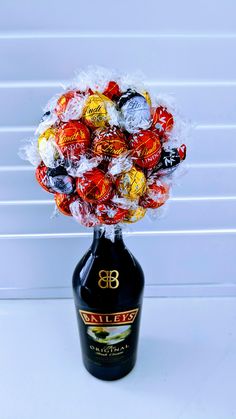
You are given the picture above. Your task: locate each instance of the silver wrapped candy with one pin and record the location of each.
(60, 181)
(135, 111)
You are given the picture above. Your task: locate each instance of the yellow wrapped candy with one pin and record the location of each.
(95, 112)
(47, 148)
(135, 215)
(131, 184)
(45, 136)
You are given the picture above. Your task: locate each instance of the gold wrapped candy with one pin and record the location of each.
(95, 112)
(44, 137)
(47, 148)
(135, 215)
(131, 184)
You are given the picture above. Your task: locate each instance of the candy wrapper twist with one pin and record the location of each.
(107, 149)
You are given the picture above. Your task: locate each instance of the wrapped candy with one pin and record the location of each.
(60, 181)
(156, 194)
(110, 142)
(48, 149)
(135, 215)
(106, 148)
(170, 159)
(110, 213)
(135, 111)
(112, 90)
(42, 177)
(131, 184)
(63, 202)
(163, 120)
(93, 186)
(73, 139)
(84, 213)
(70, 106)
(146, 148)
(95, 113)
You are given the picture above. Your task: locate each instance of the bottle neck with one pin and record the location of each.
(105, 240)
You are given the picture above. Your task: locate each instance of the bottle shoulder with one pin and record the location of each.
(79, 271)
(108, 280)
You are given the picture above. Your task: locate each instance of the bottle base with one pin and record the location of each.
(109, 373)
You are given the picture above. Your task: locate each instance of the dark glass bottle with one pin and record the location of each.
(108, 287)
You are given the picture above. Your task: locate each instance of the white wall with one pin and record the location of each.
(184, 48)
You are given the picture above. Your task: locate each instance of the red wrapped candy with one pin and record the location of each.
(69, 106)
(73, 139)
(182, 152)
(110, 142)
(84, 213)
(112, 91)
(146, 146)
(63, 202)
(110, 213)
(42, 177)
(156, 195)
(94, 186)
(63, 102)
(163, 120)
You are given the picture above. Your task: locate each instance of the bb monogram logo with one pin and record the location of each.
(108, 279)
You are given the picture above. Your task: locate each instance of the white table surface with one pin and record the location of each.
(186, 366)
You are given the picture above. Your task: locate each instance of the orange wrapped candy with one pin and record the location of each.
(110, 142)
(63, 202)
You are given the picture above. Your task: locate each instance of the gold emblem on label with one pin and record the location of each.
(108, 279)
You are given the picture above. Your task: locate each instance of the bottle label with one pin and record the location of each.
(108, 338)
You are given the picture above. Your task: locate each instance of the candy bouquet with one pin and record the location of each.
(107, 149)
